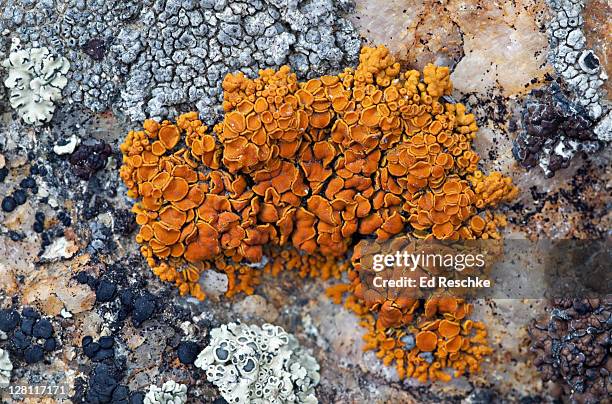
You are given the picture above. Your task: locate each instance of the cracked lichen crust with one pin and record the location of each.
(252, 364)
(603, 129)
(152, 58)
(170, 393)
(183, 49)
(35, 80)
(6, 368)
(578, 66)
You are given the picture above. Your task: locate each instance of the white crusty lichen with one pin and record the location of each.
(603, 129)
(579, 67)
(170, 393)
(252, 364)
(35, 81)
(6, 367)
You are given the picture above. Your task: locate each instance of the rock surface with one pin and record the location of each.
(83, 245)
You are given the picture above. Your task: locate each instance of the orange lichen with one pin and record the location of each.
(438, 323)
(426, 341)
(448, 329)
(492, 189)
(448, 344)
(299, 171)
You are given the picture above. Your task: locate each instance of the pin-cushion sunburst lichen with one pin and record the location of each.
(312, 166)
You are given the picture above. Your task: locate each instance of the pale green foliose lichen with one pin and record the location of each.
(35, 80)
(6, 368)
(252, 364)
(170, 393)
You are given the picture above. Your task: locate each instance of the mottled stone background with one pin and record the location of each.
(497, 52)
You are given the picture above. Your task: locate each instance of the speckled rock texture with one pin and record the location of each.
(67, 248)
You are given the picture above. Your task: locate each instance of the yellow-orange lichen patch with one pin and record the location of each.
(402, 328)
(454, 344)
(492, 189)
(405, 346)
(300, 171)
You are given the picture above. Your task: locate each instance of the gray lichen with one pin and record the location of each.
(578, 66)
(181, 51)
(6, 367)
(35, 81)
(155, 58)
(252, 364)
(170, 393)
(603, 129)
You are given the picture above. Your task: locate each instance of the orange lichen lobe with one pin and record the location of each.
(426, 341)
